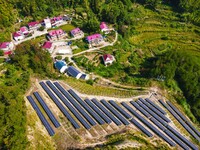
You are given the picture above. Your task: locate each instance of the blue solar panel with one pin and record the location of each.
(118, 115)
(179, 120)
(123, 112)
(156, 106)
(160, 134)
(69, 106)
(75, 104)
(158, 124)
(98, 111)
(152, 113)
(176, 110)
(144, 130)
(155, 111)
(140, 109)
(87, 108)
(183, 118)
(41, 116)
(47, 110)
(177, 140)
(186, 141)
(115, 120)
(60, 106)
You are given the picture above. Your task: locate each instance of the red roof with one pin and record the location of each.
(103, 25)
(47, 45)
(7, 52)
(32, 24)
(17, 34)
(23, 29)
(4, 45)
(107, 57)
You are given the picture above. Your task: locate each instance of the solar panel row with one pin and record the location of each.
(179, 120)
(151, 113)
(69, 106)
(118, 115)
(41, 116)
(98, 111)
(59, 105)
(155, 130)
(115, 120)
(173, 131)
(183, 118)
(75, 104)
(122, 111)
(140, 109)
(155, 111)
(138, 125)
(156, 106)
(47, 110)
(87, 108)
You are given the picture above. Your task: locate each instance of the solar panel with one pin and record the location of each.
(152, 113)
(156, 111)
(156, 106)
(123, 112)
(118, 115)
(158, 124)
(41, 116)
(138, 125)
(160, 134)
(75, 104)
(140, 109)
(177, 140)
(47, 110)
(87, 108)
(179, 120)
(59, 105)
(115, 120)
(186, 141)
(183, 118)
(193, 128)
(98, 111)
(176, 110)
(69, 106)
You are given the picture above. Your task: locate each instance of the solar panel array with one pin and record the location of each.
(69, 106)
(41, 116)
(75, 104)
(87, 108)
(47, 110)
(98, 111)
(88, 111)
(110, 115)
(179, 120)
(59, 105)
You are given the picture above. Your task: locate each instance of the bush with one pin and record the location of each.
(41, 28)
(58, 57)
(1, 53)
(91, 82)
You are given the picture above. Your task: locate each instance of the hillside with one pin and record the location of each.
(158, 46)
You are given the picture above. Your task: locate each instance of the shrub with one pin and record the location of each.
(1, 52)
(58, 57)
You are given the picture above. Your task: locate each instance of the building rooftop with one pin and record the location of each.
(103, 26)
(108, 57)
(59, 64)
(94, 36)
(47, 45)
(32, 24)
(4, 45)
(73, 71)
(75, 31)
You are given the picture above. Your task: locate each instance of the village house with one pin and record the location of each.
(108, 59)
(48, 46)
(61, 66)
(77, 33)
(95, 39)
(104, 28)
(7, 47)
(24, 30)
(56, 21)
(34, 25)
(56, 34)
(17, 36)
(47, 23)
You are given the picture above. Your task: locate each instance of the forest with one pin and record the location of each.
(178, 65)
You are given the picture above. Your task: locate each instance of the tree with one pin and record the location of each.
(1, 53)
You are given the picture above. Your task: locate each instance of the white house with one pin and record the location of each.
(47, 23)
(17, 36)
(108, 59)
(7, 47)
